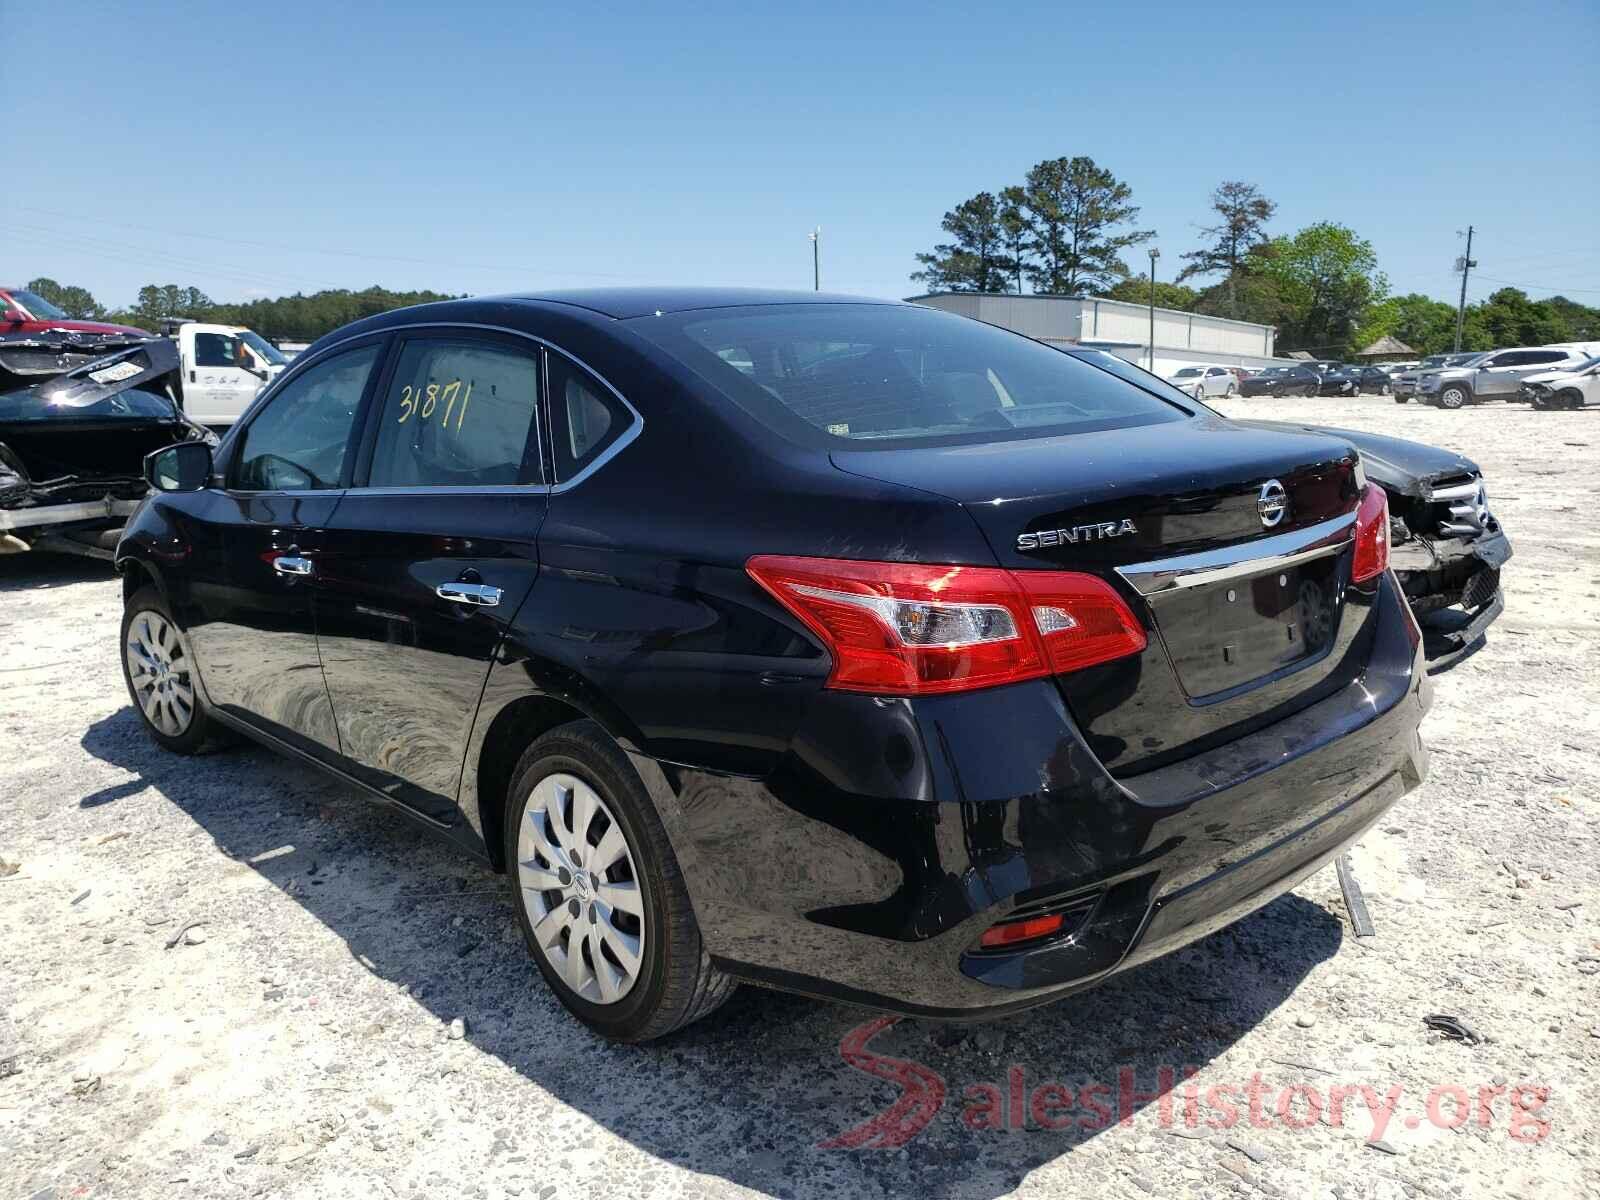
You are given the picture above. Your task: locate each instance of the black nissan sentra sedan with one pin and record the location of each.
(846, 647)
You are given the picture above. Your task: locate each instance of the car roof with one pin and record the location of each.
(625, 302)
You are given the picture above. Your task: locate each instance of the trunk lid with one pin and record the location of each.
(1244, 616)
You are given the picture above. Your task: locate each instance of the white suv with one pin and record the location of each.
(1565, 387)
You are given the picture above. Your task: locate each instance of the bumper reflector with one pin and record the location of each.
(1009, 933)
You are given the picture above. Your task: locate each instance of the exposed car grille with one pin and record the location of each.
(1481, 588)
(1460, 505)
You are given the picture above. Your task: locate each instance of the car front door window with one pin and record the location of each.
(300, 440)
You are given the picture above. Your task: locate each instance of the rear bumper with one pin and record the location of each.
(866, 868)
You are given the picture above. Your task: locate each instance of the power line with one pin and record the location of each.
(301, 249)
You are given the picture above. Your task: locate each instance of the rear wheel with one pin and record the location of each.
(1311, 390)
(599, 892)
(160, 674)
(1454, 395)
(1384, 390)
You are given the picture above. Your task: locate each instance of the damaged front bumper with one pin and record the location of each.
(1453, 585)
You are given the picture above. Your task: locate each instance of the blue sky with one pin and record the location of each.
(257, 150)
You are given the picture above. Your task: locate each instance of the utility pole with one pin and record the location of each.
(1463, 264)
(1154, 254)
(816, 259)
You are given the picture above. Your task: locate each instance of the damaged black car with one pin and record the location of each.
(1445, 545)
(78, 413)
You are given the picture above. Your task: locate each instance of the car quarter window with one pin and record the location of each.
(299, 439)
(587, 418)
(458, 413)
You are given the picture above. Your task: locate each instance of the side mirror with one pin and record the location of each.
(12, 316)
(184, 467)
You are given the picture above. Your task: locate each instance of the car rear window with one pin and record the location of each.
(891, 375)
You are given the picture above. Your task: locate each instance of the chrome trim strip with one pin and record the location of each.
(59, 514)
(622, 443)
(1246, 558)
(1457, 491)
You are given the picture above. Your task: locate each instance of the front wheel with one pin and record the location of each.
(160, 674)
(1453, 396)
(599, 893)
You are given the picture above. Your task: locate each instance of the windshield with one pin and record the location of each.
(834, 374)
(1187, 373)
(264, 348)
(43, 403)
(38, 307)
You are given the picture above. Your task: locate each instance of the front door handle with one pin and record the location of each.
(292, 564)
(482, 594)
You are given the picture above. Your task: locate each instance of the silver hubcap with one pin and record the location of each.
(581, 889)
(158, 670)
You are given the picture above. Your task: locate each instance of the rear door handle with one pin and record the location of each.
(481, 594)
(292, 564)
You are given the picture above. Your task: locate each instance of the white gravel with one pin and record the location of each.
(356, 1017)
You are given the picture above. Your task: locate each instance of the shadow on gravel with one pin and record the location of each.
(22, 572)
(749, 1094)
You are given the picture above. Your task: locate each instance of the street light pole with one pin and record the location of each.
(1154, 254)
(816, 259)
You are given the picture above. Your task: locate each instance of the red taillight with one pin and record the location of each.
(913, 629)
(1008, 933)
(1372, 536)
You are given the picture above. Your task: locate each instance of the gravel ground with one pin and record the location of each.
(299, 1042)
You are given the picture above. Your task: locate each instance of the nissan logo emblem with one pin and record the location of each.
(1272, 505)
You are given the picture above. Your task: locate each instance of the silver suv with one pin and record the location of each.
(1405, 380)
(1495, 375)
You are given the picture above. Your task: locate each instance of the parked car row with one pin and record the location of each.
(1500, 375)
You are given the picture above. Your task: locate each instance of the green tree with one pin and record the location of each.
(1078, 212)
(1509, 318)
(976, 261)
(1427, 325)
(1328, 277)
(170, 300)
(76, 302)
(1243, 214)
(1017, 229)
(1136, 289)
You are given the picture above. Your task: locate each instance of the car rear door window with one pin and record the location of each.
(458, 413)
(300, 439)
(586, 417)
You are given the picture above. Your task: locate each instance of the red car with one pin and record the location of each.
(23, 312)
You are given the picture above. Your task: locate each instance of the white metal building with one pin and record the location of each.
(1120, 327)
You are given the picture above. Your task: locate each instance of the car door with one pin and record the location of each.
(220, 384)
(255, 544)
(428, 558)
(1215, 381)
(1498, 377)
(1533, 362)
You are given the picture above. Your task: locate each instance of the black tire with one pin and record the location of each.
(1571, 398)
(199, 728)
(1454, 396)
(676, 982)
(1311, 391)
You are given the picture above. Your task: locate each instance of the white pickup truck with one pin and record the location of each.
(224, 366)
